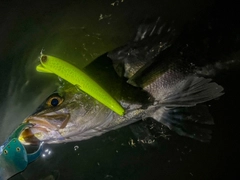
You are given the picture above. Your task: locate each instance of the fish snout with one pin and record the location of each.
(44, 126)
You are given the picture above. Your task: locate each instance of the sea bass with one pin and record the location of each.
(150, 77)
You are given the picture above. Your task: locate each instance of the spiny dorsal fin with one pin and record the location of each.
(149, 41)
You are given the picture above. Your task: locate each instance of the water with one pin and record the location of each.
(84, 30)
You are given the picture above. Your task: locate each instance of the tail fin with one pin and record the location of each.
(176, 106)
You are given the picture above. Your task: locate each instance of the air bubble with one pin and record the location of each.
(76, 148)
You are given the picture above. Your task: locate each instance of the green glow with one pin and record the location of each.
(40, 68)
(73, 75)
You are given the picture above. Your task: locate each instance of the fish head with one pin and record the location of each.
(63, 114)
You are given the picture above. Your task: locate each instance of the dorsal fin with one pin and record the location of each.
(149, 41)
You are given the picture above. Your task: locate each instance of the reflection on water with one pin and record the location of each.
(79, 32)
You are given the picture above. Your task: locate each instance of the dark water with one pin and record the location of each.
(85, 30)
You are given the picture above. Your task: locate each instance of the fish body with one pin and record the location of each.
(78, 116)
(162, 86)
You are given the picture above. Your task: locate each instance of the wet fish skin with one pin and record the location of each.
(87, 118)
(163, 88)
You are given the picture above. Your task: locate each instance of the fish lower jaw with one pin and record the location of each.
(34, 135)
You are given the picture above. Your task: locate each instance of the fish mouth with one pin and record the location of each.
(43, 125)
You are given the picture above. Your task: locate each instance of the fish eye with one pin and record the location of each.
(54, 101)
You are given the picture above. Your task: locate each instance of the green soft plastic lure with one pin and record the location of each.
(73, 75)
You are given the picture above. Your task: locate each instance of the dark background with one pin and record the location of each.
(68, 29)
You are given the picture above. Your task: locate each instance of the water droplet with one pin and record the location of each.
(76, 148)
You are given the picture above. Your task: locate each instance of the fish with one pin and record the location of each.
(151, 77)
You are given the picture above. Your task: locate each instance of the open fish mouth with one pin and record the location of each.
(44, 127)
